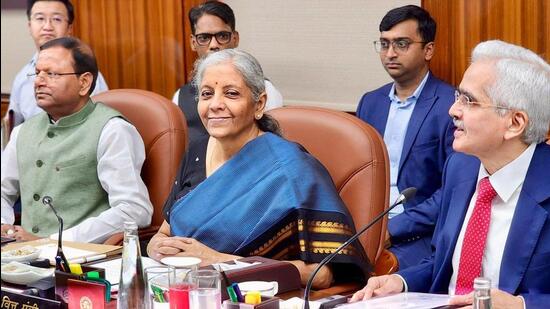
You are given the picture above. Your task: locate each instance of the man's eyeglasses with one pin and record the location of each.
(51, 75)
(466, 102)
(222, 37)
(400, 46)
(55, 20)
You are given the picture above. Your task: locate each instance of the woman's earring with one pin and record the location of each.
(258, 116)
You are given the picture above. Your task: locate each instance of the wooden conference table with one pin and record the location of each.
(268, 270)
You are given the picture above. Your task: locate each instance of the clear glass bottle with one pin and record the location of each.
(131, 292)
(482, 293)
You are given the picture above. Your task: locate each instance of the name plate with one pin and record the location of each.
(22, 301)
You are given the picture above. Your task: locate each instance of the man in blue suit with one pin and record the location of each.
(501, 114)
(412, 115)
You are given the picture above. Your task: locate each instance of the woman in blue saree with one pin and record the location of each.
(244, 190)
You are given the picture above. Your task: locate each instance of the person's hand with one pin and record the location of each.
(499, 299)
(162, 246)
(21, 235)
(183, 246)
(208, 256)
(379, 286)
(8, 230)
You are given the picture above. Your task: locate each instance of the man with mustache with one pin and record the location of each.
(411, 115)
(82, 154)
(495, 199)
(47, 20)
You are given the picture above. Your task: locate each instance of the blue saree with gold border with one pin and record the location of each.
(271, 199)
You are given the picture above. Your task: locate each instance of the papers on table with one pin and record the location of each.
(49, 251)
(75, 252)
(402, 301)
(297, 303)
(113, 268)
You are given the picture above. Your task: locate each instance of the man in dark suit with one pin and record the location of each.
(412, 115)
(495, 199)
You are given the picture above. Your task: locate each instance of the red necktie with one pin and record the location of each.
(474, 239)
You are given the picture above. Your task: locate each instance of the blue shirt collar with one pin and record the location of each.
(414, 96)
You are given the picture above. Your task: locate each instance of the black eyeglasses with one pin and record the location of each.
(401, 45)
(222, 37)
(51, 75)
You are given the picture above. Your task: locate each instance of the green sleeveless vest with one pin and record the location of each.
(60, 160)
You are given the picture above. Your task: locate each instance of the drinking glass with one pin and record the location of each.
(206, 292)
(158, 280)
(179, 290)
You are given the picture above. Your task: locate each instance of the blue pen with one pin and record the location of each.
(59, 264)
(240, 297)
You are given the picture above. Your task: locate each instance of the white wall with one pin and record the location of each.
(17, 45)
(316, 52)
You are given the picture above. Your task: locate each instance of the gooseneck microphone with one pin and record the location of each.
(405, 195)
(60, 259)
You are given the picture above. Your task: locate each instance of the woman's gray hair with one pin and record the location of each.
(522, 82)
(245, 63)
(251, 72)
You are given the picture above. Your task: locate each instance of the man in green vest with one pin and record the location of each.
(82, 154)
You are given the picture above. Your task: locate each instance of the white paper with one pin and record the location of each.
(49, 251)
(113, 268)
(297, 303)
(402, 301)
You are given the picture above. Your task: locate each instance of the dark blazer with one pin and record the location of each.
(525, 267)
(428, 143)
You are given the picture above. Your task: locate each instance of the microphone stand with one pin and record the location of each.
(60, 259)
(404, 196)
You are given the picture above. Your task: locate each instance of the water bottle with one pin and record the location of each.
(131, 292)
(482, 293)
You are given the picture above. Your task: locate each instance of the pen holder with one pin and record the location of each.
(267, 303)
(61, 278)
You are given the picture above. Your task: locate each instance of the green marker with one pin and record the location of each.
(232, 294)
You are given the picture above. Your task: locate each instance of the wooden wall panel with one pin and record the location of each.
(464, 23)
(189, 55)
(138, 43)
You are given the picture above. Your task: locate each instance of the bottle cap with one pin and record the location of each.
(253, 298)
(482, 283)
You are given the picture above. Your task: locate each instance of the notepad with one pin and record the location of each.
(74, 251)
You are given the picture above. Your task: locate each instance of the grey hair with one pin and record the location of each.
(245, 63)
(522, 82)
(251, 72)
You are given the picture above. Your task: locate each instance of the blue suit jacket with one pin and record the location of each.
(428, 143)
(525, 267)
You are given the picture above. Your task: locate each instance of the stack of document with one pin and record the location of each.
(402, 301)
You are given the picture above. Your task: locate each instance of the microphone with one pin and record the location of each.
(405, 195)
(60, 259)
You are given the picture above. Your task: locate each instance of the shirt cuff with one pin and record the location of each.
(405, 286)
(522, 301)
(67, 236)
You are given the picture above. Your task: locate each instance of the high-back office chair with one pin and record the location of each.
(163, 129)
(355, 156)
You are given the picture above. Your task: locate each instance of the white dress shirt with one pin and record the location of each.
(507, 182)
(274, 97)
(120, 156)
(22, 100)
